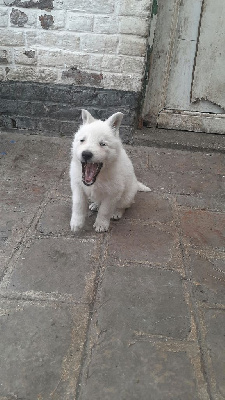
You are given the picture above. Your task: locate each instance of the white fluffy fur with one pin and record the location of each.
(116, 185)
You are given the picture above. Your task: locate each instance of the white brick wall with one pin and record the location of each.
(108, 38)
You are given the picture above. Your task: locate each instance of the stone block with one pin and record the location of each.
(41, 349)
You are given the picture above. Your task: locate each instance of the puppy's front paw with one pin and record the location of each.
(101, 226)
(76, 223)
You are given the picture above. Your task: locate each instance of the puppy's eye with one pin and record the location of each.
(102, 144)
(82, 140)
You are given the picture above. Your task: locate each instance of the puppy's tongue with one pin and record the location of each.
(90, 172)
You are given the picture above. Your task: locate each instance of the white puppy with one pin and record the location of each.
(102, 172)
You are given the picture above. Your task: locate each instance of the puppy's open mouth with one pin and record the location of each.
(90, 172)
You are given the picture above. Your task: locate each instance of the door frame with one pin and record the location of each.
(154, 109)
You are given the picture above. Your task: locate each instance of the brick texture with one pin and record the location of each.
(84, 29)
(56, 109)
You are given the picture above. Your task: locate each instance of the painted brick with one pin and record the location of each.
(130, 64)
(62, 59)
(112, 63)
(90, 7)
(21, 18)
(42, 4)
(122, 82)
(94, 62)
(32, 74)
(83, 78)
(51, 20)
(59, 40)
(79, 23)
(99, 43)
(11, 38)
(134, 25)
(132, 45)
(134, 7)
(3, 17)
(105, 24)
(5, 56)
(25, 57)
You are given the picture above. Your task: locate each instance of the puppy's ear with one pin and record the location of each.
(87, 117)
(115, 120)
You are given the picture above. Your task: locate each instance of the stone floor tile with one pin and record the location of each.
(215, 342)
(213, 203)
(139, 371)
(56, 219)
(208, 277)
(139, 242)
(141, 299)
(57, 265)
(203, 228)
(150, 207)
(40, 350)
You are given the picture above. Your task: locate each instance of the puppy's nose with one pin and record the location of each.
(87, 155)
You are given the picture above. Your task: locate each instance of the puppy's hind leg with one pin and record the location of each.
(79, 209)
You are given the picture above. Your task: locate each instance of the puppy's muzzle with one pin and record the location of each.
(87, 155)
(90, 170)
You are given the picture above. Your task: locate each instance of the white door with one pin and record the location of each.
(186, 87)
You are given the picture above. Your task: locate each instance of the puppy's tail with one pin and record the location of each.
(143, 188)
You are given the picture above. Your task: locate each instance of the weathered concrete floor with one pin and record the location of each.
(134, 314)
